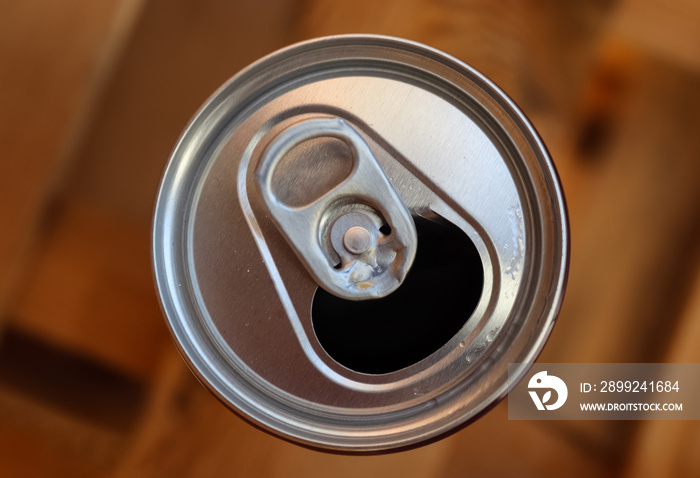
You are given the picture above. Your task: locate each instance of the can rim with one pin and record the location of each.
(162, 229)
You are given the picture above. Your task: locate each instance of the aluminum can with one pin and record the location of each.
(353, 239)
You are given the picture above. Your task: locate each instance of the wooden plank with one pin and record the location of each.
(90, 290)
(639, 228)
(39, 441)
(632, 237)
(55, 56)
(669, 29)
(671, 448)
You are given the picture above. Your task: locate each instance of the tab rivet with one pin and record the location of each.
(357, 240)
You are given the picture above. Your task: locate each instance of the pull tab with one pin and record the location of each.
(348, 222)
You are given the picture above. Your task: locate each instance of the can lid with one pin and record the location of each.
(489, 272)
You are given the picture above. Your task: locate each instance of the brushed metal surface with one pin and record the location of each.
(238, 301)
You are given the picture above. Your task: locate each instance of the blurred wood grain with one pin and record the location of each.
(668, 29)
(93, 96)
(83, 296)
(672, 448)
(633, 242)
(55, 59)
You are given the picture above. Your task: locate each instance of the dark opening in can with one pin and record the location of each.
(353, 239)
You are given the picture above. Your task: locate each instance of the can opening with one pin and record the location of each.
(438, 295)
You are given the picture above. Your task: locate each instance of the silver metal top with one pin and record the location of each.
(453, 147)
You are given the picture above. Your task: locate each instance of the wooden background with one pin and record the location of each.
(93, 96)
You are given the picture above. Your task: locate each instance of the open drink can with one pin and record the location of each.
(353, 239)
